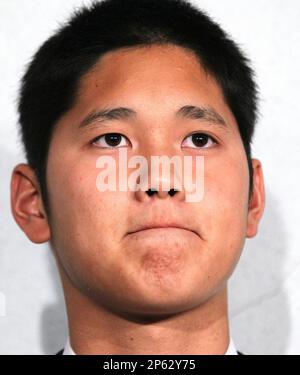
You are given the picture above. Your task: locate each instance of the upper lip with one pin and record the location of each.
(165, 224)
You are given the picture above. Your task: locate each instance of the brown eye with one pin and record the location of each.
(110, 140)
(199, 140)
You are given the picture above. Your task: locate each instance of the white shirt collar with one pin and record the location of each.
(231, 348)
(68, 349)
(230, 351)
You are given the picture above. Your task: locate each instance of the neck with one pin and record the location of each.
(94, 329)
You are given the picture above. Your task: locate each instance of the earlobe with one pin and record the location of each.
(27, 205)
(257, 201)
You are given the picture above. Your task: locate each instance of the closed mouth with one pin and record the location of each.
(162, 227)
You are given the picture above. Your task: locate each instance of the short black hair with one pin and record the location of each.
(50, 84)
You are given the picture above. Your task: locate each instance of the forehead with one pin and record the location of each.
(157, 65)
(146, 77)
(148, 60)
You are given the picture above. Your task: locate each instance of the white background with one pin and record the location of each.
(264, 290)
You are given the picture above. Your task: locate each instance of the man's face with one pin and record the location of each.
(156, 270)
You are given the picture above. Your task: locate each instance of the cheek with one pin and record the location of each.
(226, 205)
(87, 224)
(79, 207)
(226, 185)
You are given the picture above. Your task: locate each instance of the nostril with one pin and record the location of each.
(173, 192)
(150, 192)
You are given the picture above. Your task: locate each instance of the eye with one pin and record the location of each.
(199, 140)
(110, 140)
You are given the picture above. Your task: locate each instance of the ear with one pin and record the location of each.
(26, 204)
(257, 201)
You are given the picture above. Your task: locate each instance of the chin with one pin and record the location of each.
(157, 307)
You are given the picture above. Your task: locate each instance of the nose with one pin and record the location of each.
(168, 186)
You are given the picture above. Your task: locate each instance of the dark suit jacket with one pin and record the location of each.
(61, 352)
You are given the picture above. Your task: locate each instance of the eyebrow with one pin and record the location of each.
(187, 112)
